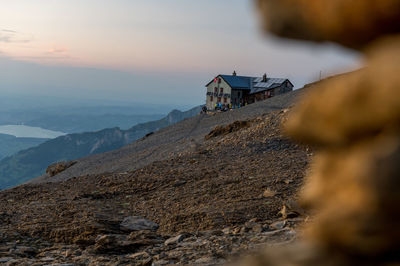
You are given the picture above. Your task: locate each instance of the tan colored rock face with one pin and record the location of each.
(351, 23)
(355, 105)
(57, 168)
(354, 122)
(354, 191)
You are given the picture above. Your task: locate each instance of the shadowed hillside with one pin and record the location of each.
(10, 144)
(33, 162)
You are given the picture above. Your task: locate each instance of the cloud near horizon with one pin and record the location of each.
(11, 31)
(11, 36)
(57, 50)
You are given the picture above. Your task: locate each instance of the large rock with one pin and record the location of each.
(351, 23)
(354, 122)
(138, 223)
(352, 106)
(120, 244)
(59, 167)
(174, 240)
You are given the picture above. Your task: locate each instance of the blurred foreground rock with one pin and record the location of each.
(350, 23)
(353, 121)
(354, 182)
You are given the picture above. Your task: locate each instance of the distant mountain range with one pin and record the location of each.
(84, 123)
(10, 144)
(33, 162)
(76, 123)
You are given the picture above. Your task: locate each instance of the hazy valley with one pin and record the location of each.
(10, 144)
(32, 162)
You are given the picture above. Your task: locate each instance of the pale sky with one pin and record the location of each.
(146, 50)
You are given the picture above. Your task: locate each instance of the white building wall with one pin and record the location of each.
(212, 96)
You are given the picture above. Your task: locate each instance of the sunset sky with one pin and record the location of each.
(146, 50)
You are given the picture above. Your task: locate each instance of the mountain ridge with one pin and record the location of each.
(10, 144)
(33, 162)
(168, 141)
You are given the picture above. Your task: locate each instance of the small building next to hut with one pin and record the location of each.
(236, 91)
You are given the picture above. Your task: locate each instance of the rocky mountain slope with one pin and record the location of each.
(169, 141)
(197, 192)
(33, 162)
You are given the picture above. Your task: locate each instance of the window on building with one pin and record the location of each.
(219, 99)
(215, 89)
(221, 90)
(219, 80)
(225, 100)
(211, 98)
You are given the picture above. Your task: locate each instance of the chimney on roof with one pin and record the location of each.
(264, 78)
(234, 73)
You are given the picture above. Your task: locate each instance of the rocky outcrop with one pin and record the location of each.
(123, 244)
(224, 130)
(57, 168)
(212, 247)
(137, 223)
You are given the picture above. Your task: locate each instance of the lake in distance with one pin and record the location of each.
(21, 131)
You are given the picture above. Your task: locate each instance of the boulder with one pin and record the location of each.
(174, 240)
(59, 167)
(291, 209)
(278, 225)
(141, 258)
(353, 121)
(138, 223)
(269, 193)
